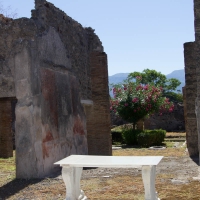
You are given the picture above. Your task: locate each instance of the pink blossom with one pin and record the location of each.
(166, 100)
(135, 100)
(139, 87)
(146, 87)
(139, 77)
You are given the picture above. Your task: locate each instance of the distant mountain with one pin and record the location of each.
(178, 74)
(117, 78)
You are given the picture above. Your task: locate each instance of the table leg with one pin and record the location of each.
(148, 176)
(71, 177)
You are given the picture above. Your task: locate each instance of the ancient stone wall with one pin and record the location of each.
(190, 96)
(98, 122)
(197, 63)
(169, 121)
(192, 87)
(77, 40)
(45, 64)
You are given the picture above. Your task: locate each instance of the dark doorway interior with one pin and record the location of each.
(7, 126)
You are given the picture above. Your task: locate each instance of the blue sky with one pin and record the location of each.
(136, 34)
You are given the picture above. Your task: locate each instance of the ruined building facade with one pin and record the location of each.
(53, 90)
(192, 87)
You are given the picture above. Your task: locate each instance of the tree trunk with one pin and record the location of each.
(134, 126)
(140, 124)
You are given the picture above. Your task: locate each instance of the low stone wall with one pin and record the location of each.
(169, 121)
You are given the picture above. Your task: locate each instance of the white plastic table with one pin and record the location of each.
(72, 168)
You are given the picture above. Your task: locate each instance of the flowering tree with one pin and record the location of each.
(134, 101)
(169, 86)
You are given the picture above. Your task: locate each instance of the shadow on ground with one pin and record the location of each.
(195, 159)
(16, 185)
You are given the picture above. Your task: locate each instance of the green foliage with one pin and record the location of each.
(117, 137)
(156, 78)
(171, 84)
(130, 136)
(149, 138)
(149, 77)
(144, 138)
(117, 133)
(174, 97)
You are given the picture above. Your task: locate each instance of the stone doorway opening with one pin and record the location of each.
(7, 126)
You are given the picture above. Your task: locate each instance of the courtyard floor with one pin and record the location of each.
(174, 180)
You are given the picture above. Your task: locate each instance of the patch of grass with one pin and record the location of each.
(175, 134)
(120, 128)
(131, 187)
(7, 170)
(120, 187)
(168, 144)
(116, 129)
(117, 143)
(187, 191)
(168, 152)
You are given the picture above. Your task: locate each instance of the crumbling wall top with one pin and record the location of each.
(39, 3)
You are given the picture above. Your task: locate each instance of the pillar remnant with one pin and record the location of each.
(190, 93)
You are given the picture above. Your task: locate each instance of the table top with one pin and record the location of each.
(108, 161)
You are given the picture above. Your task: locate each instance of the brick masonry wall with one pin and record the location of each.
(6, 143)
(197, 62)
(190, 97)
(98, 122)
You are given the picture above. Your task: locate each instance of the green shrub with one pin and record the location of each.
(130, 136)
(175, 97)
(117, 137)
(149, 138)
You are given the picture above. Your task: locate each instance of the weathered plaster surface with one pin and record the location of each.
(45, 65)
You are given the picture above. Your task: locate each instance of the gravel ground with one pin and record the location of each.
(173, 170)
(182, 169)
